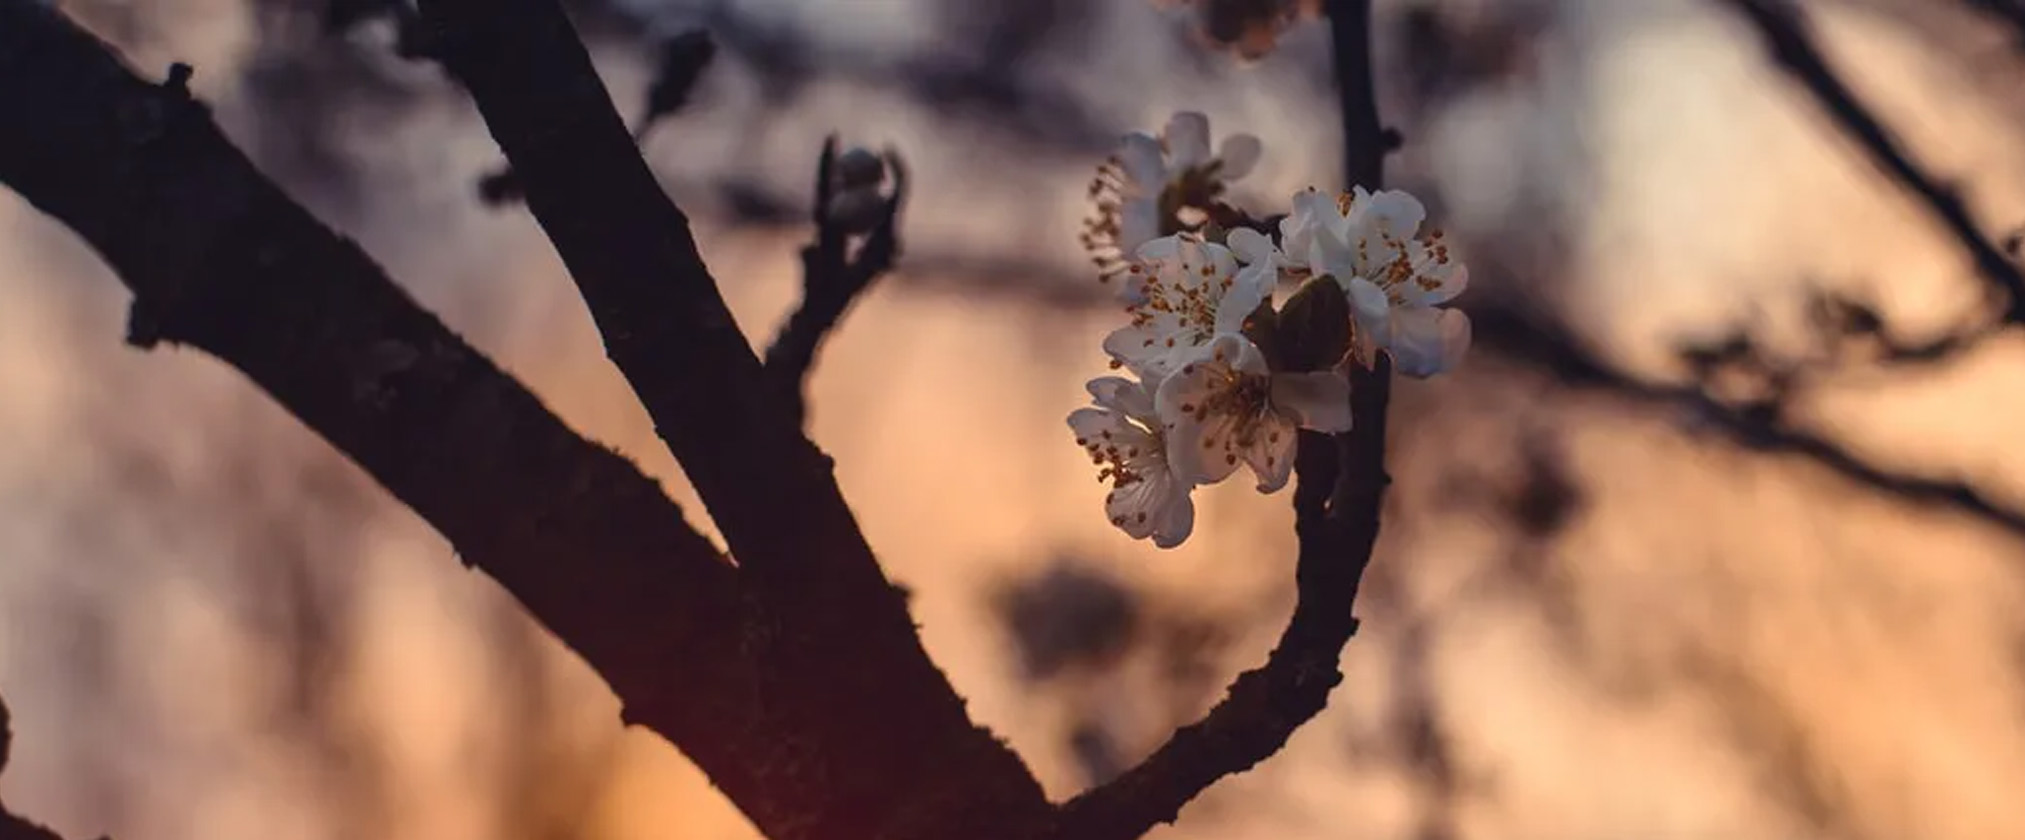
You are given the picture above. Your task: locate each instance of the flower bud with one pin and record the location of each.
(858, 168)
(857, 210)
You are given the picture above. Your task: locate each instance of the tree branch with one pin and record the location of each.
(1526, 340)
(1341, 491)
(220, 260)
(871, 738)
(664, 322)
(1785, 31)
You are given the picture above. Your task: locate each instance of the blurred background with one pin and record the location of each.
(1666, 560)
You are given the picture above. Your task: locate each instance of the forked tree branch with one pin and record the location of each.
(1788, 37)
(664, 322)
(1341, 491)
(219, 259)
(845, 733)
(872, 739)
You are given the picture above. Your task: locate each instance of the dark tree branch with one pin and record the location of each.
(665, 325)
(683, 59)
(1786, 33)
(1758, 429)
(13, 827)
(220, 260)
(1341, 491)
(832, 278)
(871, 738)
(853, 734)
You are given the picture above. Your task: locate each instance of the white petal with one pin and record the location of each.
(1250, 246)
(1368, 305)
(1132, 399)
(1426, 342)
(1237, 353)
(1187, 138)
(1137, 344)
(1271, 455)
(1139, 507)
(1221, 261)
(1319, 400)
(1395, 212)
(1139, 154)
(1251, 287)
(1173, 522)
(1239, 153)
(1298, 228)
(1138, 224)
(1199, 444)
(1095, 425)
(1162, 248)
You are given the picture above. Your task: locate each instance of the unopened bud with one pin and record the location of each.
(858, 168)
(857, 210)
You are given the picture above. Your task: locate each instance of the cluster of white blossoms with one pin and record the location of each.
(1218, 376)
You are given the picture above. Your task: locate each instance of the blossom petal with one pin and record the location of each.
(1125, 396)
(1239, 154)
(1251, 287)
(1139, 155)
(1138, 224)
(1159, 248)
(1138, 344)
(1250, 246)
(1175, 520)
(1425, 342)
(1200, 443)
(1095, 426)
(1319, 400)
(1237, 353)
(1444, 281)
(1141, 506)
(1187, 138)
(1297, 230)
(1368, 305)
(1396, 213)
(1271, 453)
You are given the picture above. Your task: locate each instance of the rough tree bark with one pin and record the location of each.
(794, 678)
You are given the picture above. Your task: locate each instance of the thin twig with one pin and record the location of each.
(1787, 36)
(1524, 339)
(832, 278)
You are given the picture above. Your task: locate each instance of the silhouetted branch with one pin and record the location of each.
(832, 277)
(1787, 36)
(1341, 491)
(1758, 427)
(871, 740)
(683, 59)
(220, 260)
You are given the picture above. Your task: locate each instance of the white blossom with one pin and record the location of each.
(1141, 189)
(1124, 436)
(1189, 291)
(1225, 406)
(1396, 278)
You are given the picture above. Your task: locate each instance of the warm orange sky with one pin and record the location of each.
(1717, 645)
